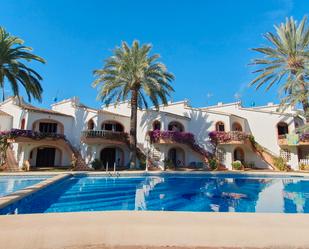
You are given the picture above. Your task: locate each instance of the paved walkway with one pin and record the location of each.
(96, 230)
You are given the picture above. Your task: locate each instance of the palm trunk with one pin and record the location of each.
(133, 127)
(304, 101)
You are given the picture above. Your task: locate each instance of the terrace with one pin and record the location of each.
(230, 137)
(95, 136)
(293, 139)
(19, 136)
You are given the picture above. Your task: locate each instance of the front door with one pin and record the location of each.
(173, 156)
(108, 155)
(45, 157)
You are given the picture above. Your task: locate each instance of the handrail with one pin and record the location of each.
(112, 135)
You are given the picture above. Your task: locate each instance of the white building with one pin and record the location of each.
(179, 134)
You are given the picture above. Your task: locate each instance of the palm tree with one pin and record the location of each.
(286, 61)
(12, 68)
(132, 73)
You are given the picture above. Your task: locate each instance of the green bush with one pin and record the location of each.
(237, 165)
(280, 164)
(249, 165)
(96, 164)
(303, 166)
(252, 139)
(168, 164)
(213, 164)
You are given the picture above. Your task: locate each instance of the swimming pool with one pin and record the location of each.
(200, 193)
(10, 184)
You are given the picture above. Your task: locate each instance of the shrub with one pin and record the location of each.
(213, 164)
(249, 165)
(168, 164)
(96, 164)
(280, 164)
(237, 165)
(303, 166)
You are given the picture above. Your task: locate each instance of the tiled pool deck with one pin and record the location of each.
(156, 229)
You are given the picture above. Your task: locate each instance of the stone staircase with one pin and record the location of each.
(266, 155)
(11, 163)
(80, 162)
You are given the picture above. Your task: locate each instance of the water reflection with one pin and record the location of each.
(143, 190)
(296, 196)
(170, 193)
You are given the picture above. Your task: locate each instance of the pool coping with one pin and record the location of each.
(154, 228)
(20, 194)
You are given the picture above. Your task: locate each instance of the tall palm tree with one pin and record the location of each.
(286, 61)
(132, 73)
(12, 55)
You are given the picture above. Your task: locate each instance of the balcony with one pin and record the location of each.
(101, 136)
(293, 139)
(19, 136)
(230, 137)
(171, 137)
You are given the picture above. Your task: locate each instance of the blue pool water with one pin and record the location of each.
(170, 193)
(10, 184)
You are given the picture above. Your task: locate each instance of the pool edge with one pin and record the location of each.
(20, 194)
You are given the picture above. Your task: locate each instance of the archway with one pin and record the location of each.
(156, 125)
(112, 155)
(90, 125)
(23, 124)
(112, 126)
(48, 126)
(282, 128)
(45, 156)
(175, 126)
(177, 156)
(220, 126)
(236, 126)
(239, 154)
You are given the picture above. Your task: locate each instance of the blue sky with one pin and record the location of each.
(206, 44)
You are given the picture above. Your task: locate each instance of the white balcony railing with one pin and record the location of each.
(304, 162)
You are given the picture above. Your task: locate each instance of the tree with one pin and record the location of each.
(12, 68)
(131, 73)
(286, 61)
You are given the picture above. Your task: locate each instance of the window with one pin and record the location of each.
(236, 126)
(156, 125)
(23, 124)
(112, 126)
(282, 128)
(220, 126)
(48, 127)
(220, 153)
(285, 154)
(90, 125)
(175, 126)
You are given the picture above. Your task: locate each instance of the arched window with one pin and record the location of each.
(282, 128)
(220, 126)
(90, 125)
(239, 154)
(175, 126)
(156, 125)
(48, 126)
(236, 126)
(23, 123)
(112, 126)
